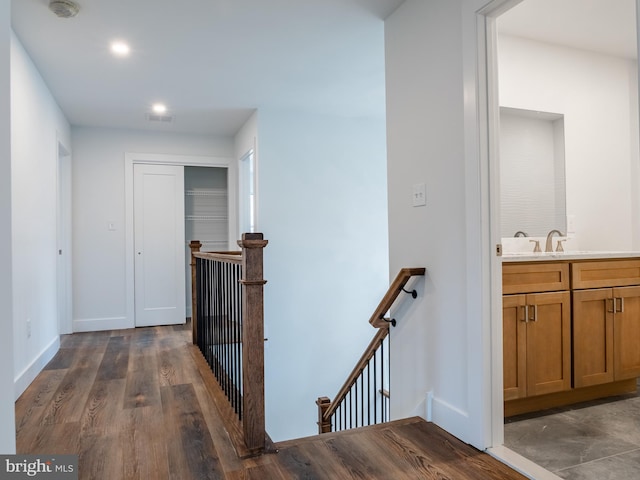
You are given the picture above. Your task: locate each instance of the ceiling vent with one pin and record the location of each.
(155, 117)
(64, 8)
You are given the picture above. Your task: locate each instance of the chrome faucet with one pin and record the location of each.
(520, 233)
(549, 245)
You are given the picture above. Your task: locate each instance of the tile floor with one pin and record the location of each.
(596, 440)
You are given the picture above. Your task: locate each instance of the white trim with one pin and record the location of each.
(98, 324)
(157, 159)
(521, 464)
(28, 375)
(63, 236)
(456, 420)
(185, 160)
(487, 131)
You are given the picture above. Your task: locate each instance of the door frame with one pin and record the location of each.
(488, 140)
(63, 239)
(165, 159)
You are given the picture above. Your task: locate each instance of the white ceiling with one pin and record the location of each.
(605, 26)
(214, 61)
(211, 61)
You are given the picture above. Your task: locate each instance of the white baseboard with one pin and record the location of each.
(99, 324)
(24, 378)
(450, 418)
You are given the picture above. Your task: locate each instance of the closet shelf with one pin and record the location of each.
(206, 217)
(206, 193)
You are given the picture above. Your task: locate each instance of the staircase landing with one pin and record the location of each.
(403, 449)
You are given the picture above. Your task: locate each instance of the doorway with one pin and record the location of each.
(576, 205)
(179, 161)
(206, 215)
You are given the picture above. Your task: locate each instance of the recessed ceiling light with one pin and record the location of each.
(159, 108)
(120, 49)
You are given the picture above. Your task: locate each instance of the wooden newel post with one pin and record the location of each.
(324, 424)
(195, 246)
(253, 422)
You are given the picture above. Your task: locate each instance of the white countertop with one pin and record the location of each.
(577, 255)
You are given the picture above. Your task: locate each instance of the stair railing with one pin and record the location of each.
(228, 328)
(364, 398)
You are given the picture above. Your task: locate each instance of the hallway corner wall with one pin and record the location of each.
(37, 126)
(7, 409)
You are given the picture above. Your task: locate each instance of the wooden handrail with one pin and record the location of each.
(368, 354)
(377, 319)
(326, 407)
(230, 257)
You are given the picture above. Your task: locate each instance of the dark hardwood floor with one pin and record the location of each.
(133, 404)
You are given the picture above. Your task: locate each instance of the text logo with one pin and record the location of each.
(52, 467)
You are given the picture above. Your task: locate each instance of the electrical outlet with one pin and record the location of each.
(28, 328)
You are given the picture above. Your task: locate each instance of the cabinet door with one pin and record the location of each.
(514, 344)
(548, 343)
(626, 330)
(592, 337)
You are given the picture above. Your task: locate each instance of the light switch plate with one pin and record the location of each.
(419, 195)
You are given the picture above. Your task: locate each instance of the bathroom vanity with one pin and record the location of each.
(571, 328)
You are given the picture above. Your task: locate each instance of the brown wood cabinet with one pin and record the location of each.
(571, 331)
(606, 321)
(592, 337)
(536, 331)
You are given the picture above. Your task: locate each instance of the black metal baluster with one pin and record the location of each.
(240, 290)
(388, 399)
(382, 365)
(375, 387)
(232, 320)
(206, 315)
(354, 407)
(223, 323)
(216, 317)
(362, 398)
(369, 392)
(198, 312)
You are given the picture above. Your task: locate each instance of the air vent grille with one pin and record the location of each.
(64, 8)
(154, 117)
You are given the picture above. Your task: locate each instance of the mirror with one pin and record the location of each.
(532, 172)
(592, 80)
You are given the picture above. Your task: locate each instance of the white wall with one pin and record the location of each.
(597, 94)
(99, 265)
(7, 412)
(442, 342)
(38, 125)
(322, 206)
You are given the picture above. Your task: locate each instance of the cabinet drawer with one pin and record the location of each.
(535, 277)
(605, 273)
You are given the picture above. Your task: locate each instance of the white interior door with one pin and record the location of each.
(158, 201)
